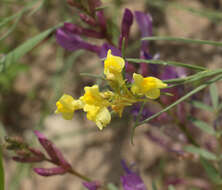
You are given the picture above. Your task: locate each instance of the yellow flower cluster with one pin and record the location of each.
(97, 104)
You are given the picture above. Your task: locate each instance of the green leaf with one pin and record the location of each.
(214, 95)
(185, 40)
(199, 88)
(111, 186)
(170, 187)
(2, 176)
(202, 106)
(201, 152)
(20, 51)
(211, 171)
(165, 63)
(154, 187)
(204, 126)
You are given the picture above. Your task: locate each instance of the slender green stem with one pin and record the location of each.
(138, 118)
(184, 40)
(199, 88)
(165, 63)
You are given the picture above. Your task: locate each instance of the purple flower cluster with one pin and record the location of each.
(131, 180)
(70, 35)
(27, 154)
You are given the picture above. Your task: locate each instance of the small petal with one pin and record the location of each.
(46, 172)
(145, 23)
(93, 97)
(113, 66)
(67, 105)
(104, 49)
(94, 185)
(103, 118)
(52, 150)
(148, 86)
(131, 180)
(73, 42)
(127, 22)
(153, 93)
(75, 29)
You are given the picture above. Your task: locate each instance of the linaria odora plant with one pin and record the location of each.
(97, 105)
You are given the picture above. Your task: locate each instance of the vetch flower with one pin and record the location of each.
(67, 105)
(93, 185)
(131, 180)
(145, 24)
(113, 66)
(73, 42)
(148, 86)
(127, 22)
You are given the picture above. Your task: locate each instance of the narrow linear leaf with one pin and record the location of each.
(11, 29)
(199, 88)
(201, 152)
(20, 51)
(211, 171)
(204, 126)
(214, 95)
(184, 40)
(165, 63)
(2, 176)
(202, 106)
(154, 187)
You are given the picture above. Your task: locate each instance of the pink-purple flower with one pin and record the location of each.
(131, 180)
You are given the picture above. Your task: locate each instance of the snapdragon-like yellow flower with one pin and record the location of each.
(96, 106)
(148, 86)
(67, 105)
(92, 96)
(100, 115)
(113, 66)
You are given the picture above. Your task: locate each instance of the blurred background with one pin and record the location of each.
(30, 87)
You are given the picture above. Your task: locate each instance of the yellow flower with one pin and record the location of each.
(100, 115)
(148, 86)
(67, 105)
(92, 96)
(113, 66)
(96, 106)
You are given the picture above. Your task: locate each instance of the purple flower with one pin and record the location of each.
(93, 4)
(53, 152)
(171, 72)
(105, 47)
(75, 29)
(145, 24)
(50, 171)
(127, 22)
(73, 42)
(87, 19)
(131, 180)
(145, 113)
(93, 185)
(101, 21)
